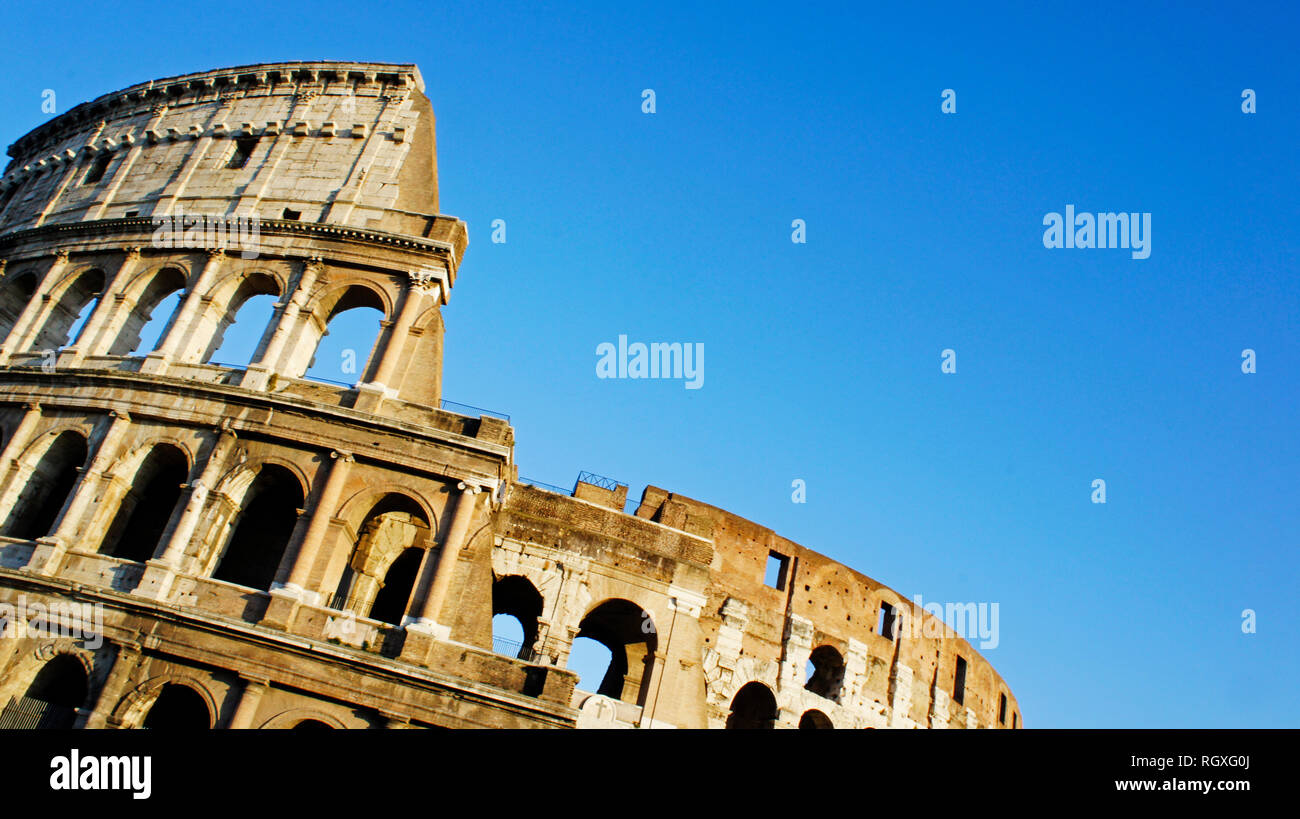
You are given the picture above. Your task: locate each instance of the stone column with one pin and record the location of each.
(29, 323)
(394, 721)
(95, 338)
(429, 620)
(249, 698)
(9, 461)
(110, 693)
(157, 361)
(900, 696)
(422, 283)
(48, 556)
(161, 571)
(323, 510)
(259, 372)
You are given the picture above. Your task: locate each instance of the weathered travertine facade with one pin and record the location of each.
(192, 544)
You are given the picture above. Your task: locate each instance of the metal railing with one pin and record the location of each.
(599, 480)
(506, 648)
(549, 487)
(26, 713)
(444, 404)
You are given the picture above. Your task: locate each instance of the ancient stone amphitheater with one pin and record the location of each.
(191, 544)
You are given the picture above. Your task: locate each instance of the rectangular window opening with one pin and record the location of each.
(959, 683)
(292, 215)
(243, 150)
(97, 169)
(1002, 709)
(777, 565)
(885, 625)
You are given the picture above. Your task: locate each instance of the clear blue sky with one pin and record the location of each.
(924, 232)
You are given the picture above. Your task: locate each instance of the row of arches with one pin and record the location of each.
(61, 691)
(378, 582)
(613, 650)
(143, 315)
(754, 707)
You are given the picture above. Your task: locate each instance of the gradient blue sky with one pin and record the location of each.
(924, 232)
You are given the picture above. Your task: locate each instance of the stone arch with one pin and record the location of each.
(296, 716)
(386, 556)
(178, 707)
(235, 482)
(333, 298)
(429, 319)
(321, 311)
(71, 301)
(356, 508)
(132, 710)
(628, 631)
(753, 706)
(59, 689)
(222, 306)
(827, 672)
(141, 296)
(516, 596)
(813, 719)
(16, 292)
(148, 505)
(269, 507)
(49, 487)
(394, 596)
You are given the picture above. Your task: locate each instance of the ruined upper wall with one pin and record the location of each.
(329, 142)
(820, 602)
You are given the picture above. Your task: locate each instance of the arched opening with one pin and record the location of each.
(52, 699)
(629, 634)
(250, 310)
(48, 489)
(312, 725)
(588, 659)
(516, 607)
(14, 296)
(178, 706)
(71, 311)
(394, 527)
(152, 314)
(825, 672)
(754, 706)
(395, 591)
(266, 522)
(341, 352)
(147, 506)
(815, 720)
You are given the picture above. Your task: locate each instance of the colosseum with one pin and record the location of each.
(187, 543)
